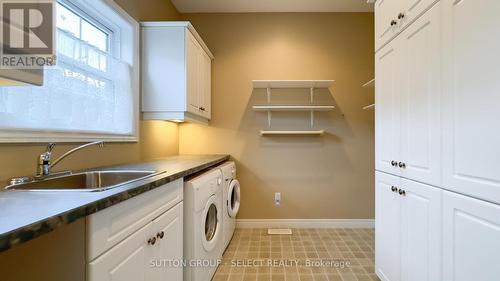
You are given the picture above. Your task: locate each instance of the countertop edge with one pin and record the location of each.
(29, 232)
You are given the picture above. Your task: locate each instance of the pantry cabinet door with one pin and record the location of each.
(420, 46)
(388, 116)
(471, 98)
(471, 244)
(386, 11)
(387, 227)
(421, 232)
(127, 261)
(412, 9)
(168, 253)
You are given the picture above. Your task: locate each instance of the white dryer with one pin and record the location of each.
(231, 196)
(203, 226)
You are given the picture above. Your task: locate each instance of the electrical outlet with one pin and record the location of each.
(277, 199)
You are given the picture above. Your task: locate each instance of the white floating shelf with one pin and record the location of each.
(292, 84)
(371, 106)
(293, 107)
(292, 133)
(370, 83)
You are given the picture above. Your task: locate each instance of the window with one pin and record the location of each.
(92, 93)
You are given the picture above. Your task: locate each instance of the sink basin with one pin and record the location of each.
(86, 181)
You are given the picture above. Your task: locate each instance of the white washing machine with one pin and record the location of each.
(203, 226)
(230, 199)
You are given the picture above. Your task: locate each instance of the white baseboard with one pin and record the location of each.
(305, 223)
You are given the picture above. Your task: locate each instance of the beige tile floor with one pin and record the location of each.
(307, 254)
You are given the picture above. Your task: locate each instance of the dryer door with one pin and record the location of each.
(233, 198)
(211, 224)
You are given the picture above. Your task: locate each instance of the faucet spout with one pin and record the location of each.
(98, 143)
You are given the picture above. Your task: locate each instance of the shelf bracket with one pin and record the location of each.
(312, 118)
(269, 95)
(312, 95)
(269, 117)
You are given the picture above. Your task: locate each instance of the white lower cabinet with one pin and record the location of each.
(407, 230)
(421, 232)
(147, 255)
(126, 261)
(140, 239)
(387, 227)
(471, 244)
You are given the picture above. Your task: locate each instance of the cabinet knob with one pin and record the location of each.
(394, 189)
(401, 16)
(152, 241)
(402, 192)
(394, 22)
(160, 235)
(394, 163)
(402, 165)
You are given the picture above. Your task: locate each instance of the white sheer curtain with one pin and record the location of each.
(89, 91)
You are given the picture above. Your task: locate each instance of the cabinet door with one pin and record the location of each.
(386, 11)
(421, 99)
(412, 9)
(471, 237)
(421, 232)
(387, 227)
(206, 84)
(169, 247)
(471, 98)
(387, 99)
(193, 74)
(127, 261)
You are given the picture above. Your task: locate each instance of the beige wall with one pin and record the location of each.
(60, 255)
(319, 177)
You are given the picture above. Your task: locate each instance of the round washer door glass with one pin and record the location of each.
(233, 198)
(210, 228)
(211, 222)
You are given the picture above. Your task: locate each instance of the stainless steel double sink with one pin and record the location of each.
(83, 181)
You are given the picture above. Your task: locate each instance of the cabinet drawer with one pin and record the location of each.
(107, 228)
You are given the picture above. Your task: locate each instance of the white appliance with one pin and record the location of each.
(230, 200)
(203, 226)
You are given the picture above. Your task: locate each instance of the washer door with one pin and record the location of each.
(233, 198)
(211, 224)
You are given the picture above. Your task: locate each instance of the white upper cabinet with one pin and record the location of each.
(176, 73)
(471, 244)
(388, 117)
(421, 99)
(472, 98)
(393, 16)
(408, 98)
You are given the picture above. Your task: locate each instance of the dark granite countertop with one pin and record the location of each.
(25, 215)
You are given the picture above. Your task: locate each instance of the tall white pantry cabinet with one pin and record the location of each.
(437, 140)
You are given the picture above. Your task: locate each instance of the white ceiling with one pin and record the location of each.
(253, 6)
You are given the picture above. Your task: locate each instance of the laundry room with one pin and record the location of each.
(194, 140)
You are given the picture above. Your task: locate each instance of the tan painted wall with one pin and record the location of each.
(319, 177)
(60, 255)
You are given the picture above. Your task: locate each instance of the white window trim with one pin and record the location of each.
(116, 18)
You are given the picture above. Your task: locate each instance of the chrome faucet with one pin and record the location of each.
(44, 160)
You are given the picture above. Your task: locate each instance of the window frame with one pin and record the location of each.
(124, 43)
